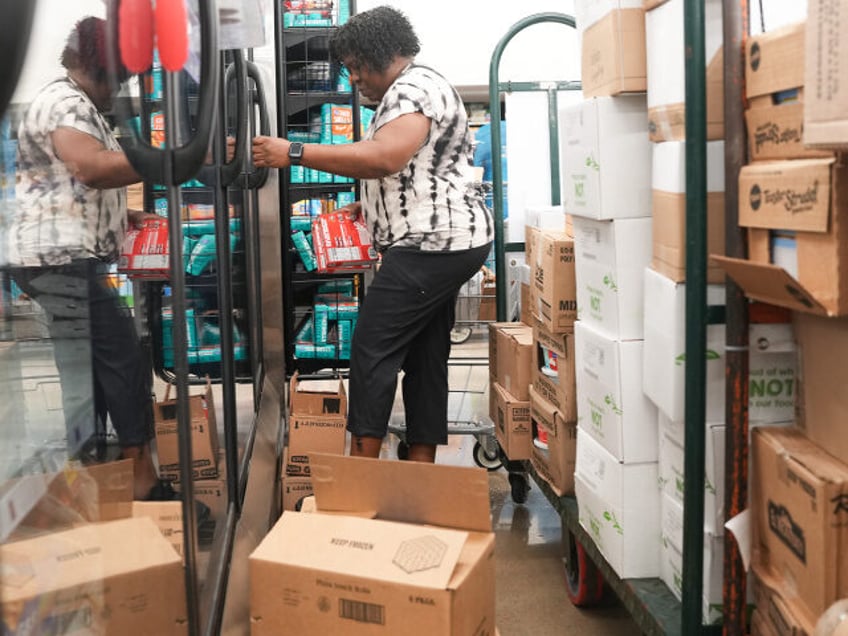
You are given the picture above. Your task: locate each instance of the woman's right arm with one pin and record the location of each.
(91, 162)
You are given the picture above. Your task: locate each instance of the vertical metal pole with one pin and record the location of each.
(736, 24)
(553, 144)
(172, 97)
(696, 315)
(225, 299)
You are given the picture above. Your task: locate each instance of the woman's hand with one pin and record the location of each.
(271, 152)
(138, 217)
(352, 211)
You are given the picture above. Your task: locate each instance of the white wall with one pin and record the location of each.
(54, 19)
(459, 36)
(777, 13)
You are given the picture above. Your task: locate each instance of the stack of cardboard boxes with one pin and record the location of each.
(317, 421)
(606, 188)
(791, 200)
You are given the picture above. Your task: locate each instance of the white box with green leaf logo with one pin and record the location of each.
(610, 258)
(605, 158)
(611, 406)
(619, 506)
(664, 368)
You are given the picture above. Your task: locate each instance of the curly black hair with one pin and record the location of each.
(374, 38)
(87, 50)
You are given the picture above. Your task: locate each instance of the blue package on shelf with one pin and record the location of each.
(342, 287)
(304, 250)
(306, 333)
(345, 198)
(199, 228)
(322, 324)
(301, 224)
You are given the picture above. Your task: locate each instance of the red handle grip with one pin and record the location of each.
(172, 33)
(135, 34)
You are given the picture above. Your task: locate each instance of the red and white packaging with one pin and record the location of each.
(341, 244)
(145, 251)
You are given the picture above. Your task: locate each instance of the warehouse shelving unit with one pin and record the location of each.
(652, 605)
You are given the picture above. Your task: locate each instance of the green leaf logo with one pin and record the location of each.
(708, 486)
(609, 281)
(610, 402)
(709, 354)
(592, 164)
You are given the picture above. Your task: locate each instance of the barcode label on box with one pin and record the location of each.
(362, 612)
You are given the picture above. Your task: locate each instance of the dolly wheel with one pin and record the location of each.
(403, 450)
(584, 582)
(489, 461)
(519, 487)
(460, 334)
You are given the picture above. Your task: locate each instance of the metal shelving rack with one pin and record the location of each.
(651, 603)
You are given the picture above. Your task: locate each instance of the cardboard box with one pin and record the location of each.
(341, 244)
(168, 517)
(605, 158)
(554, 464)
(806, 196)
(611, 257)
(611, 406)
(317, 416)
(145, 252)
(513, 357)
(671, 476)
(825, 76)
(775, 126)
(666, 58)
(822, 398)
(619, 506)
(204, 436)
(589, 12)
(671, 560)
(105, 578)
(760, 625)
(512, 424)
(553, 294)
(613, 54)
(423, 565)
(799, 516)
(664, 361)
(779, 611)
(554, 371)
(669, 212)
(526, 314)
(775, 60)
(652, 4)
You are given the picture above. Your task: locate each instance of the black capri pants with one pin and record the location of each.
(405, 324)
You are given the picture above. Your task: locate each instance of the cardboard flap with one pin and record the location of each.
(769, 283)
(317, 397)
(412, 492)
(394, 552)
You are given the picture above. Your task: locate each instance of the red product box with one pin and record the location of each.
(145, 251)
(341, 244)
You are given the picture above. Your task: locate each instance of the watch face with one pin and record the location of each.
(295, 152)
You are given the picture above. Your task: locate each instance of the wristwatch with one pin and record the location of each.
(295, 153)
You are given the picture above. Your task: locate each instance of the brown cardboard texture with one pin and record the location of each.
(512, 424)
(212, 492)
(780, 614)
(822, 282)
(669, 234)
(559, 390)
(826, 76)
(295, 480)
(556, 463)
(613, 54)
(647, 5)
(514, 357)
(318, 416)
(668, 121)
(822, 400)
(553, 293)
(168, 517)
(774, 61)
(787, 195)
(204, 436)
(775, 131)
(526, 307)
(424, 565)
(104, 578)
(800, 516)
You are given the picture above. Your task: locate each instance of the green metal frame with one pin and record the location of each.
(495, 88)
(656, 617)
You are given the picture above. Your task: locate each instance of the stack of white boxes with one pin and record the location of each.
(606, 183)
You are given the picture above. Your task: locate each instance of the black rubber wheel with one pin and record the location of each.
(583, 581)
(460, 334)
(489, 461)
(403, 450)
(519, 487)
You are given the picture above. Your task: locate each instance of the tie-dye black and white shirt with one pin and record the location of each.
(56, 218)
(433, 203)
